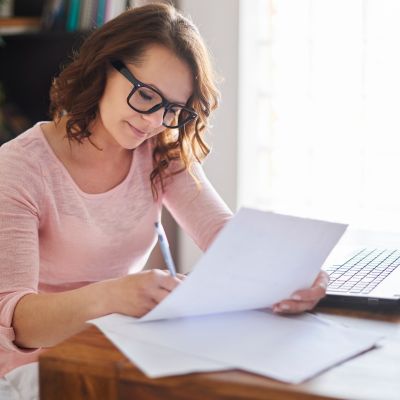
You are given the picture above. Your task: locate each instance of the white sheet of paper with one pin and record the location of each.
(290, 349)
(158, 362)
(154, 360)
(258, 259)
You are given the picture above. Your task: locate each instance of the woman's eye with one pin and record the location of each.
(145, 96)
(173, 111)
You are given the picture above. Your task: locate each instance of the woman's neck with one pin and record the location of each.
(99, 147)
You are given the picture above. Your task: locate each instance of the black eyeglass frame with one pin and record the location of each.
(121, 68)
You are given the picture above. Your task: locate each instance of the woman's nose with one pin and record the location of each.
(155, 119)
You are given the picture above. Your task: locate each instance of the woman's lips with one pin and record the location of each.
(137, 132)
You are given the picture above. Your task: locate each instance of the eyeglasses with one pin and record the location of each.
(146, 100)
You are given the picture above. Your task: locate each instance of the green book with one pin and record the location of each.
(73, 15)
(101, 11)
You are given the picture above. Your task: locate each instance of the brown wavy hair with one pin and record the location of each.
(76, 92)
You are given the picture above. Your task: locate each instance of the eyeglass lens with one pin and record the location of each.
(144, 99)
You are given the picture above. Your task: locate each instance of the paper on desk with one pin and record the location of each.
(290, 349)
(154, 360)
(157, 361)
(258, 259)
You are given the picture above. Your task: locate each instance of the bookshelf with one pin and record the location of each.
(28, 63)
(16, 25)
(36, 39)
(30, 57)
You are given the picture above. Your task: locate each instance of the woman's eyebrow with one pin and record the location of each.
(160, 91)
(157, 89)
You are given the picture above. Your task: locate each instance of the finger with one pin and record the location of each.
(149, 303)
(169, 282)
(163, 279)
(322, 279)
(144, 308)
(178, 275)
(160, 294)
(293, 307)
(316, 292)
(142, 313)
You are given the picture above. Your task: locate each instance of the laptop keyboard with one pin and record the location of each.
(363, 271)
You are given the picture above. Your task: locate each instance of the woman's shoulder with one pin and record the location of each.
(23, 155)
(28, 141)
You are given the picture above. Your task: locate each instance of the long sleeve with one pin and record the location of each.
(54, 237)
(20, 185)
(199, 210)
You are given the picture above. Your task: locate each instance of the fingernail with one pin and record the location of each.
(284, 307)
(323, 285)
(296, 297)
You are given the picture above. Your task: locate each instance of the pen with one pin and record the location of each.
(162, 239)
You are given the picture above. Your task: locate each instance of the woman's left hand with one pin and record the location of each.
(304, 300)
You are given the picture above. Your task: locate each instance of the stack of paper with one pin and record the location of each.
(208, 323)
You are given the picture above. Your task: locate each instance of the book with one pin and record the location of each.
(101, 10)
(54, 15)
(87, 14)
(73, 15)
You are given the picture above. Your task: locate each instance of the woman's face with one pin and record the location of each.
(159, 68)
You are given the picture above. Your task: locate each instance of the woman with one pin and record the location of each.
(80, 194)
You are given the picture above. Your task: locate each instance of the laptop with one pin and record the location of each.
(365, 275)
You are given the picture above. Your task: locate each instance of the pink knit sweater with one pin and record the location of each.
(55, 237)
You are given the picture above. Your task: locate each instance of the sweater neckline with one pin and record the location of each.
(53, 155)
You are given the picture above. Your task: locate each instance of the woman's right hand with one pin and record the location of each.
(137, 294)
(45, 319)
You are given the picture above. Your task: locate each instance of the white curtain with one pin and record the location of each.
(320, 120)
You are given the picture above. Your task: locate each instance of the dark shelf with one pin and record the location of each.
(29, 62)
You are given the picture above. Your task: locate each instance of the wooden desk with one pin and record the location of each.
(88, 366)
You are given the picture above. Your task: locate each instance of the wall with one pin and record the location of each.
(218, 22)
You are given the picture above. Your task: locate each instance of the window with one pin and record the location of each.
(320, 109)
